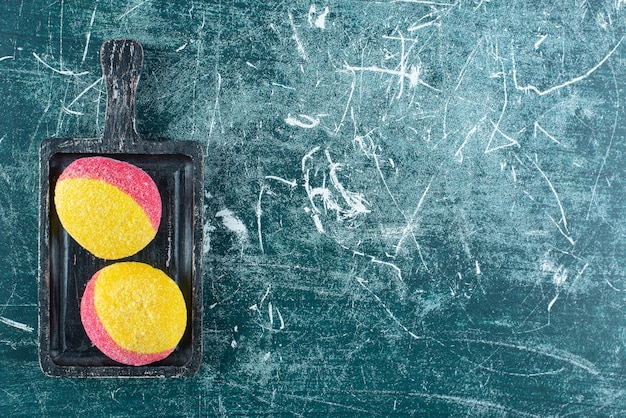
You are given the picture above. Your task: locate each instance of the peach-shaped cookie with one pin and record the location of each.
(134, 313)
(112, 208)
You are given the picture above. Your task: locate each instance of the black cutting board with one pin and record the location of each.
(65, 267)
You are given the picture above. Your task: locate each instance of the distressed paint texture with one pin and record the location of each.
(412, 206)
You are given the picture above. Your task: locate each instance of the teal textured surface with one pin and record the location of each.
(411, 207)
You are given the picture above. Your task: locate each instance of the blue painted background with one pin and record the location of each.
(412, 207)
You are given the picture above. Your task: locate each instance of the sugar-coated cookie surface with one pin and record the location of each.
(112, 208)
(134, 313)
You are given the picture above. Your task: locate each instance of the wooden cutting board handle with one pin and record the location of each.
(121, 61)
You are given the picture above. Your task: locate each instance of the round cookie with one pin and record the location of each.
(135, 314)
(112, 208)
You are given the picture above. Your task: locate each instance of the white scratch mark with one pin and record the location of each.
(7, 57)
(556, 195)
(496, 125)
(478, 272)
(265, 295)
(316, 220)
(307, 157)
(216, 107)
(411, 224)
(419, 251)
(71, 112)
(62, 72)
(470, 404)
(282, 86)
(542, 350)
(233, 224)
(540, 41)
(290, 183)
(538, 374)
(566, 235)
(249, 64)
(422, 25)
(307, 186)
(540, 128)
(11, 344)
(356, 203)
(534, 89)
(123, 15)
(553, 301)
(317, 20)
(183, 46)
(560, 276)
(581, 272)
(426, 2)
(280, 319)
(386, 263)
(362, 283)
(345, 112)
(459, 152)
(398, 38)
(469, 59)
(318, 223)
(88, 34)
(206, 237)
(608, 148)
(511, 142)
(296, 38)
(258, 211)
(413, 75)
(82, 93)
(16, 324)
(61, 35)
(304, 121)
(270, 313)
(114, 394)
(611, 285)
